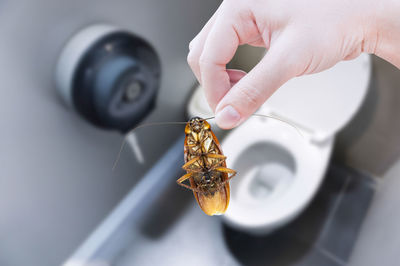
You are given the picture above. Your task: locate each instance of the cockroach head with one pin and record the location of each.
(197, 124)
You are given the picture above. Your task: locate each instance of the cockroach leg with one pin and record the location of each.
(228, 179)
(189, 187)
(216, 165)
(219, 157)
(225, 170)
(190, 145)
(183, 179)
(189, 163)
(215, 156)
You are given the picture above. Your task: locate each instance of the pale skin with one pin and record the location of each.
(301, 36)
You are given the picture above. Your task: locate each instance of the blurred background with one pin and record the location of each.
(60, 201)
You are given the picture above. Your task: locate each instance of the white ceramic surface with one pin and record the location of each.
(279, 172)
(324, 102)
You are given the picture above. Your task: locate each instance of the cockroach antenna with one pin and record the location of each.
(282, 120)
(126, 138)
(137, 149)
(272, 117)
(209, 118)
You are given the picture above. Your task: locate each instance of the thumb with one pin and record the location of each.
(251, 91)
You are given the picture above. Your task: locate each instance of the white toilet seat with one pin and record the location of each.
(261, 216)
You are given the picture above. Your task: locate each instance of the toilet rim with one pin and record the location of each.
(297, 195)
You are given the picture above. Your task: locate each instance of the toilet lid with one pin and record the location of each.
(324, 102)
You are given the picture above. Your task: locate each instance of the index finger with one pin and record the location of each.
(219, 48)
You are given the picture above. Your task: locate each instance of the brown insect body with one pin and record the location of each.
(206, 168)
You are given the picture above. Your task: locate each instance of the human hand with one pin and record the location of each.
(302, 37)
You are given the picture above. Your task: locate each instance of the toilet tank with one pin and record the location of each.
(55, 175)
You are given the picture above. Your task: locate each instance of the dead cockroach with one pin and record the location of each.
(205, 164)
(206, 168)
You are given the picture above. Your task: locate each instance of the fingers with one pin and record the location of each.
(216, 44)
(235, 75)
(219, 48)
(252, 90)
(196, 47)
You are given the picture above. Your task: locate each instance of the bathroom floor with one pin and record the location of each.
(324, 234)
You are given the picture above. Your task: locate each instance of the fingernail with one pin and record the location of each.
(228, 117)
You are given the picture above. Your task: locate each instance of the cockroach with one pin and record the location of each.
(205, 164)
(205, 168)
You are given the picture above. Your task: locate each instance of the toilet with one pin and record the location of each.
(281, 166)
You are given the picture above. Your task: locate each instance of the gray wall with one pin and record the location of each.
(371, 141)
(56, 182)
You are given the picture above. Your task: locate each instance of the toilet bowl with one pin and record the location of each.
(279, 169)
(278, 174)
